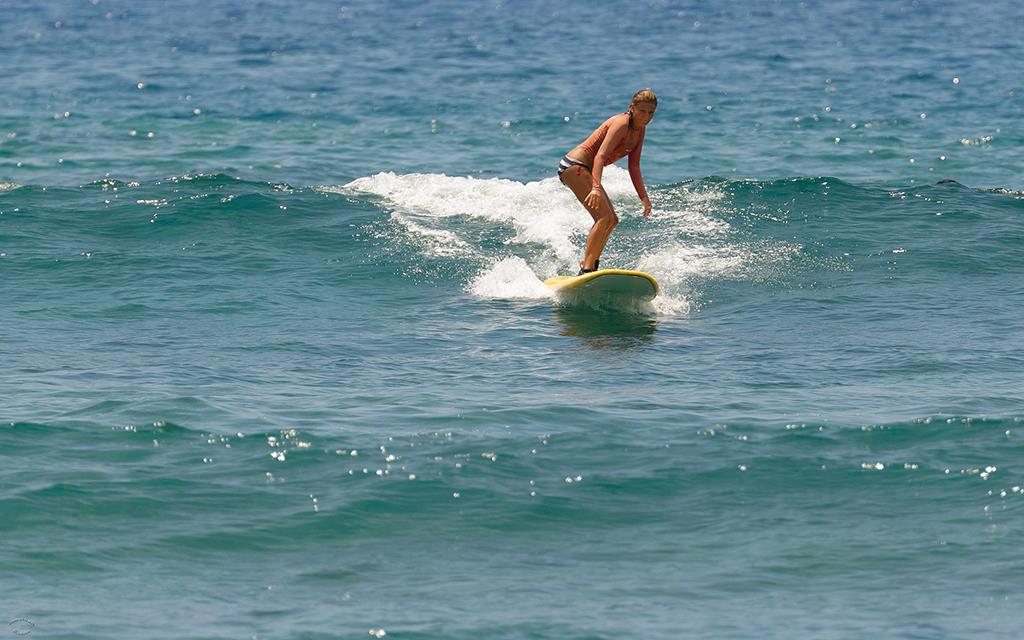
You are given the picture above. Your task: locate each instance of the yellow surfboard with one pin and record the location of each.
(611, 283)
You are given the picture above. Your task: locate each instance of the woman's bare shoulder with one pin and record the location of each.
(618, 119)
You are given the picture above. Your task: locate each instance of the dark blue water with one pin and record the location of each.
(277, 360)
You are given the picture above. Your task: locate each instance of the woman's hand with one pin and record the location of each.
(594, 198)
(647, 206)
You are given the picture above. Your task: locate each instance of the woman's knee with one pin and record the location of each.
(609, 220)
(609, 216)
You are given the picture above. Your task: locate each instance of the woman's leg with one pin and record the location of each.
(579, 180)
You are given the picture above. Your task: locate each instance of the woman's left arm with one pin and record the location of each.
(637, 178)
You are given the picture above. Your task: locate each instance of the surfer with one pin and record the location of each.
(619, 136)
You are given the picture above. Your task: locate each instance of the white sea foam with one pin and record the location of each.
(7, 186)
(439, 242)
(678, 265)
(685, 240)
(671, 305)
(691, 221)
(509, 278)
(688, 211)
(542, 212)
(678, 262)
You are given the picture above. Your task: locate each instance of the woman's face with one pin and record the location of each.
(643, 113)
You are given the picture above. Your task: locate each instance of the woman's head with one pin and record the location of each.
(642, 107)
(644, 95)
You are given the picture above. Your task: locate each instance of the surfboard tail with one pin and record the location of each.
(621, 283)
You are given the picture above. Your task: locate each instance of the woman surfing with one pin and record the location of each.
(581, 169)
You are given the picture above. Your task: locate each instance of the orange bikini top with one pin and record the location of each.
(593, 143)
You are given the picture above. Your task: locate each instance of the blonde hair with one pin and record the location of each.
(644, 95)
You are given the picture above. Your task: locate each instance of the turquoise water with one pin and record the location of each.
(277, 360)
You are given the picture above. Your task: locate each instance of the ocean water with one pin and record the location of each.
(276, 358)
